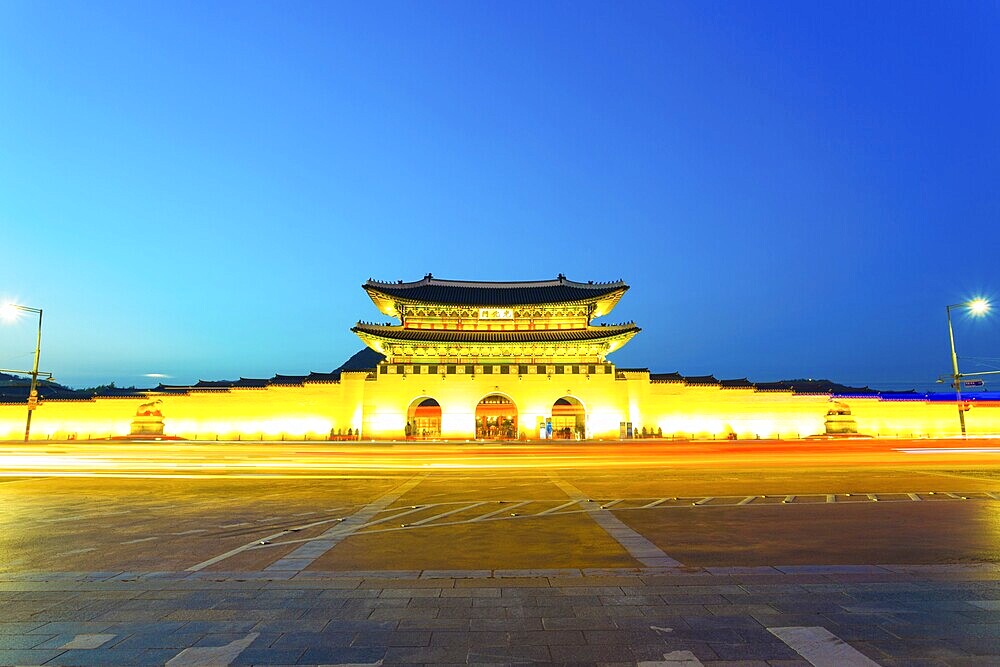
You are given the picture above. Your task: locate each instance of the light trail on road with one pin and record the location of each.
(303, 460)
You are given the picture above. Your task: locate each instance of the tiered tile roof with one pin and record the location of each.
(477, 293)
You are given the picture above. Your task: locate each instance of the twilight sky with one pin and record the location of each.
(791, 189)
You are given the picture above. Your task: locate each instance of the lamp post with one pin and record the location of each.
(976, 307)
(11, 311)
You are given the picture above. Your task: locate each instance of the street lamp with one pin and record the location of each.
(976, 307)
(10, 312)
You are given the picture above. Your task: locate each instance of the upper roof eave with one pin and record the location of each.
(481, 293)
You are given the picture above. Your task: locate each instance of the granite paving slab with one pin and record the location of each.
(617, 617)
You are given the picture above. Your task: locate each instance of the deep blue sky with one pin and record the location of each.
(791, 189)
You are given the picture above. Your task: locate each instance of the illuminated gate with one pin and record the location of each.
(569, 419)
(496, 418)
(423, 420)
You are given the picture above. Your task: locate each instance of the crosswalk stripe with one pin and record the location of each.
(638, 546)
(822, 648)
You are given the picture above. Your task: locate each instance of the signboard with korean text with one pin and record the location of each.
(496, 313)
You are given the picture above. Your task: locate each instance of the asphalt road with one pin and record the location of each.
(292, 507)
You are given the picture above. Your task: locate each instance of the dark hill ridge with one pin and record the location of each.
(14, 389)
(362, 360)
(7, 380)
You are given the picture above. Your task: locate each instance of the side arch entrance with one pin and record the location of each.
(496, 418)
(569, 419)
(423, 419)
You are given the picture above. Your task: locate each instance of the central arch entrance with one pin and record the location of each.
(569, 419)
(423, 420)
(496, 418)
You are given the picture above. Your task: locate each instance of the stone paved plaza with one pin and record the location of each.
(845, 615)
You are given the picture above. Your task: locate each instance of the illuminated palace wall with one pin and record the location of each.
(491, 359)
(306, 411)
(377, 404)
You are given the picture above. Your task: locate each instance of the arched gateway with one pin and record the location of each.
(496, 418)
(423, 419)
(569, 419)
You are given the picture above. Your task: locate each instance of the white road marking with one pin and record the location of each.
(391, 517)
(72, 517)
(506, 508)
(822, 648)
(674, 659)
(88, 641)
(77, 551)
(141, 539)
(553, 510)
(607, 506)
(306, 554)
(191, 532)
(988, 605)
(232, 552)
(951, 450)
(444, 514)
(637, 545)
(212, 656)
(342, 529)
(660, 631)
(84, 516)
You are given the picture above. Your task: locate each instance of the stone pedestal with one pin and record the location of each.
(839, 420)
(147, 425)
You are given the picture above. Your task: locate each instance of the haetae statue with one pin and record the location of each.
(148, 420)
(839, 420)
(151, 409)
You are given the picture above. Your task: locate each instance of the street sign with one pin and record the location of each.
(32, 402)
(972, 383)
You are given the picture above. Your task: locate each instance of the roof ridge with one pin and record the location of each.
(561, 279)
(590, 327)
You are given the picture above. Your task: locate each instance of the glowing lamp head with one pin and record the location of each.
(9, 312)
(979, 306)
